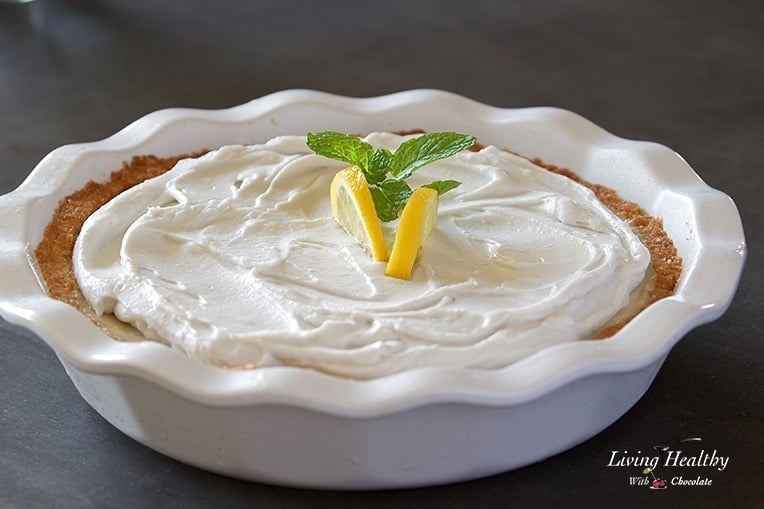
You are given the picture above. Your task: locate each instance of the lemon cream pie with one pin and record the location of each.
(234, 258)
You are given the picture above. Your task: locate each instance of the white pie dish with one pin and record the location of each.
(296, 427)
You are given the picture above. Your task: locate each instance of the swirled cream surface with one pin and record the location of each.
(235, 259)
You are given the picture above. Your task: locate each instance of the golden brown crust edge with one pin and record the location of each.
(664, 259)
(54, 252)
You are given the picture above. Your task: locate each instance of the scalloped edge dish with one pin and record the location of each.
(421, 427)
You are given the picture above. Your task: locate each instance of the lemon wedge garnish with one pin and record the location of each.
(353, 208)
(414, 227)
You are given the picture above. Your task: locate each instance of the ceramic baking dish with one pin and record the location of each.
(426, 426)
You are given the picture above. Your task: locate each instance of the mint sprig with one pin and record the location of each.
(385, 171)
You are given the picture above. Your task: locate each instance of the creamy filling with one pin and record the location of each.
(235, 259)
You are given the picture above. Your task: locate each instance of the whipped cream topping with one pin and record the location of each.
(235, 259)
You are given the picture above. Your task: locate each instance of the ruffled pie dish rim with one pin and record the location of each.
(703, 222)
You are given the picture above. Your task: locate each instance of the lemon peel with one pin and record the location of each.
(353, 208)
(414, 228)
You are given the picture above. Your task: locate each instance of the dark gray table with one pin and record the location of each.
(688, 74)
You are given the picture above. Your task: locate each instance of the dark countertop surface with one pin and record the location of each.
(687, 74)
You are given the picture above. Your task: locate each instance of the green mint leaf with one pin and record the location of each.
(342, 147)
(417, 152)
(389, 198)
(443, 186)
(380, 161)
(386, 209)
(385, 171)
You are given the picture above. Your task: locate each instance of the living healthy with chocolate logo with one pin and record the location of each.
(690, 465)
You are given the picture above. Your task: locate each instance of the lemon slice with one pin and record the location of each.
(353, 208)
(414, 227)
